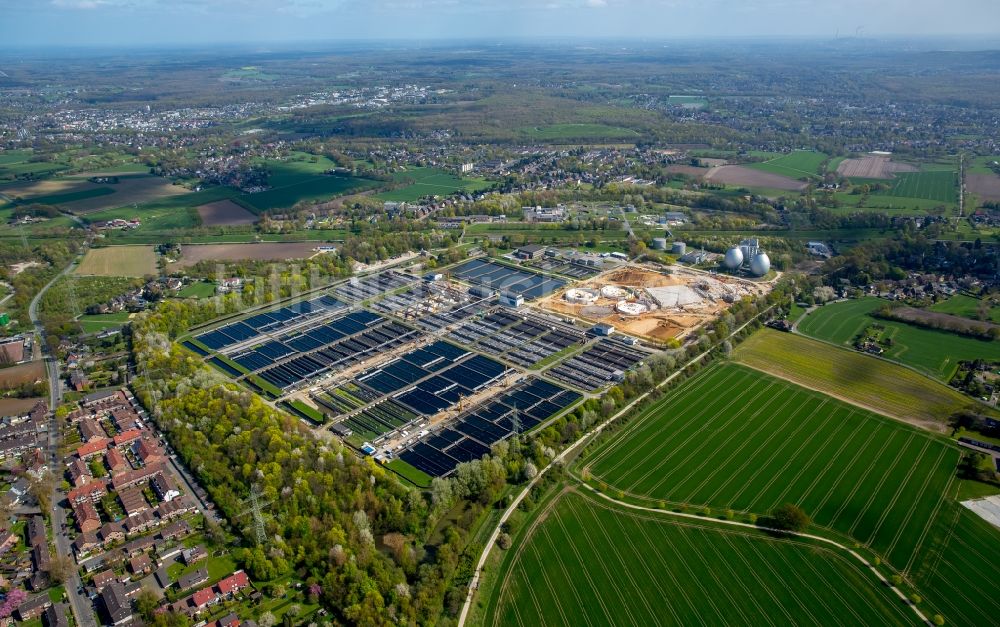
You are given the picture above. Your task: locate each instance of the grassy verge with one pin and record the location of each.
(411, 474)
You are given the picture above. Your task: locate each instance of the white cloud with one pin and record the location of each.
(80, 4)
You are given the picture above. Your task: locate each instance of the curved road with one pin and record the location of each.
(474, 584)
(80, 604)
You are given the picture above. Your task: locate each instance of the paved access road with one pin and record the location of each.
(81, 605)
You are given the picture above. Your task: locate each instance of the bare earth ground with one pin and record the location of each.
(131, 189)
(16, 406)
(129, 261)
(224, 213)
(986, 186)
(22, 373)
(690, 170)
(872, 167)
(266, 251)
(738, 175)
(659, 324)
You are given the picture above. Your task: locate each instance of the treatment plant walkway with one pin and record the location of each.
(474, 584)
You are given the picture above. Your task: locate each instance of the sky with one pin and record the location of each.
(45, 23)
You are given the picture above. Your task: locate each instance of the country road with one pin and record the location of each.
(80, 604)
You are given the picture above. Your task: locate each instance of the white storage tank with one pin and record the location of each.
(760, 265)
(659, 243)
(734, 258)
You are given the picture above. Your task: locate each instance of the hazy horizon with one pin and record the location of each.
(118, 23)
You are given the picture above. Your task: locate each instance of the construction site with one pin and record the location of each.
(647, 302)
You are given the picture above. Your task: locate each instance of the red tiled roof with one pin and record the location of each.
(127, 436)
(115, 459)
(87, 491)
(203, 597)
(233, 582)
(85, 450)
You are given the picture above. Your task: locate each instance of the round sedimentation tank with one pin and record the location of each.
(760, 265)
(630, 309)
(734, 258)
(679, 248)
(612, 291)
(659, 243)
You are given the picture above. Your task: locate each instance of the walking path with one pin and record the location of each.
(734, 523)
(474, 584)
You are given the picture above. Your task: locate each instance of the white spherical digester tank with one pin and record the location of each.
(760, 265)
(734, 258)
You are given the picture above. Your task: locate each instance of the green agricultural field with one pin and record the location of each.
(68, 197)
(967, 307)
(891, 205)
(99, 322)
(688, 102)
(318, 187)
(933, 352)
(734, 438)
(587, 562)
(430, 182)
(796, 165)
(556, 132)
(164, 214)
(958, 576)
(874, 383)
(15, 163)
(938, 185)
(976, 165)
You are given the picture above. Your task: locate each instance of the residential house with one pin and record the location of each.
(117, 606)
(87, 518)
(111, 532)
(85, 543)
(233, 584)
(164, 487)
(34, 606)
(115, 461)
(103, 398)
(94, 447)
(162, 578)
(36, 531)
(78, 381)
(125, 418)
(229, 620)
(140, 564)
(194, 554)
(133, 500)
(78, 473)
(191, 580)
(148, 451)
(175, 530)
(133, 477)
(55, 615)
(103, 579)
(127, 437)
